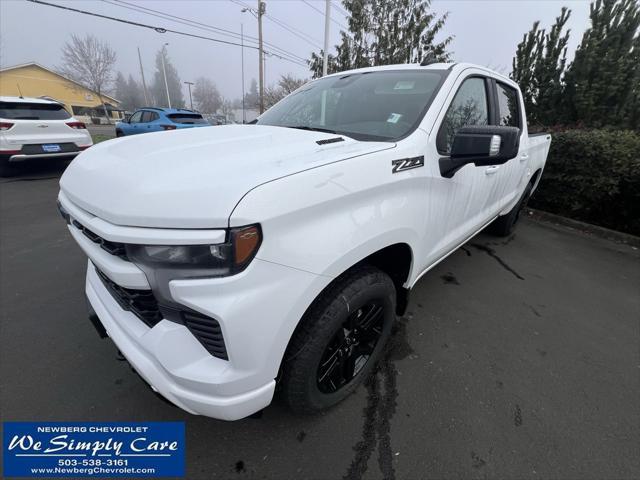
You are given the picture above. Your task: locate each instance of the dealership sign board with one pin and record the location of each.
(89, 449)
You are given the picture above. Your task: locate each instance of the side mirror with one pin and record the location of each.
(482, 146)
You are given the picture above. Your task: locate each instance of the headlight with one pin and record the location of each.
(163, 263)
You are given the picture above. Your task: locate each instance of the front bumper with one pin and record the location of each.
(170, 359)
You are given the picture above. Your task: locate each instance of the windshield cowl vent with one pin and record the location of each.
(330, 140)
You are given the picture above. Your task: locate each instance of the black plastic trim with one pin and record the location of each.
(330, 140)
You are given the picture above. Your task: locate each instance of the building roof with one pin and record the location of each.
(35, 64)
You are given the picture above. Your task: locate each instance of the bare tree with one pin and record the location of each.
(89, 61)
(226, 107)
(286, 85)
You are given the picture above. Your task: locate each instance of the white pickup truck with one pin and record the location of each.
(230, 262)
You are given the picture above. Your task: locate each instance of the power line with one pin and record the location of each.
(311, 41)
(320, 12)
(200, 25)
(158, 29)
(291, 29)
(339, 8)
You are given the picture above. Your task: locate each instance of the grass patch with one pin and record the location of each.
(97, 138)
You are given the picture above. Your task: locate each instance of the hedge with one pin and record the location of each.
(593, 176)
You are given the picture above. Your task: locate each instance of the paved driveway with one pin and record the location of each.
(519, 359)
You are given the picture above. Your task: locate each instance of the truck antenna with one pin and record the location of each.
(20, 91)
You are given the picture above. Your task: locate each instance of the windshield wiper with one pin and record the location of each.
(312, 129)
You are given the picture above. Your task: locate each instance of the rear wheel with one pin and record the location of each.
(339, 340)
(504, 225)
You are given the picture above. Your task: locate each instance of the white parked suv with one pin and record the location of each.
(225, 261)
(37, 128)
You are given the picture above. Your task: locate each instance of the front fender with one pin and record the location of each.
(327, 219)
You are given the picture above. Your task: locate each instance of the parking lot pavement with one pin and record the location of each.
(518, 358)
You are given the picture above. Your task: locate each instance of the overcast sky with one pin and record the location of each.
(485, 32)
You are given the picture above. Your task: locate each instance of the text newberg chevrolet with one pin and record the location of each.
(224, 261)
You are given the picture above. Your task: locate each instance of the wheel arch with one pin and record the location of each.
(395, 260)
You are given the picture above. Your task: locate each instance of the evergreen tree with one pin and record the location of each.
(385, 32)
(538, 67)
(251, 98)
(128, 92)
(602, 81)
(158, 90)
(206, 96)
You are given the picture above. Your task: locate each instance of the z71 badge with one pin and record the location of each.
(406, 164)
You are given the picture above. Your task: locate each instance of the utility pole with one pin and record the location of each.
(244, 120)
(190, 99)
(262, 7)
(164, 72)
(327, 18)
(144, 84)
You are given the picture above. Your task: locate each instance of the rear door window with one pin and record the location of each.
(33, 111)
(186, 118)
(148, 116)
(508, 106)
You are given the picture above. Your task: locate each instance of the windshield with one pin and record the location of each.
(383, 105)
(32, 111)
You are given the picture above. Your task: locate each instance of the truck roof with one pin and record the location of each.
(432, 66)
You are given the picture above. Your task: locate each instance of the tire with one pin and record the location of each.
(6, 168)
(504, 225)
(307, 382)
(119, 133)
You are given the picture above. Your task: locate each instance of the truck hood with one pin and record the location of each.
(193, 178)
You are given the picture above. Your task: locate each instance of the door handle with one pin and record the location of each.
(524, 157)
(491, 170)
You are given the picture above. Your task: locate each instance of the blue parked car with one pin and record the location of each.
(151, 119)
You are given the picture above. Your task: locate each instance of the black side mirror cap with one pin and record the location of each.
(482, 146)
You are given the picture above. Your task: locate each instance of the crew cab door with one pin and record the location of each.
(511, 176)
(457, 206)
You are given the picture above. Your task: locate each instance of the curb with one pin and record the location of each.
(595, 230)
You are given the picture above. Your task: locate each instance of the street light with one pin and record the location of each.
(190, 99)
(164, 72)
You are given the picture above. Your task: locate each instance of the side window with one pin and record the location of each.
(153, 117)
(507, 106)
(147, 116)
(135, 118)
(469, 107)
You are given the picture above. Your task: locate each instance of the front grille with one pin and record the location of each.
(141, 303)
(114, 248)
(208, 332)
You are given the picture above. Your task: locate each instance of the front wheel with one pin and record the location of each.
(119, 133)
(339, 340)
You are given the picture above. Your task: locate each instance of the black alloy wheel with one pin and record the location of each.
(339, 340)
(351, 347)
